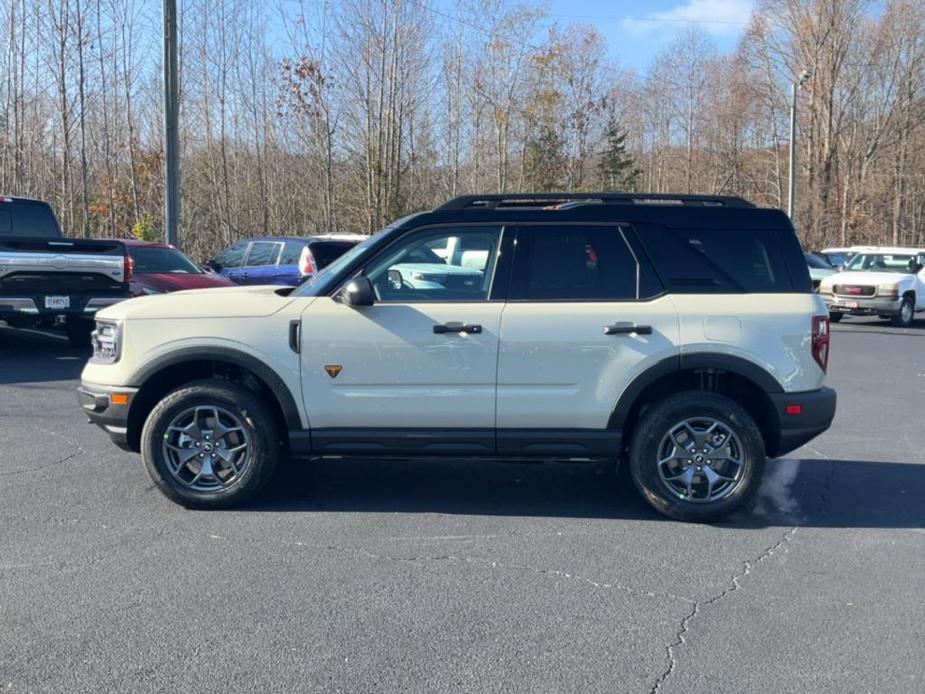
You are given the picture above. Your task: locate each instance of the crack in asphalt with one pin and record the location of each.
(490, 563)
(78, 450)
(699, 605)
(27, 470)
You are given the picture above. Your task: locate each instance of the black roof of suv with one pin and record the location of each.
(692, 243)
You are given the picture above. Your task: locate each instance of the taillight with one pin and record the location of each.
(128, 267)
(821, 341)
(306, 262)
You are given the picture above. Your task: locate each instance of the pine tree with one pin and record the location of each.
(545, 161)
(617, 167)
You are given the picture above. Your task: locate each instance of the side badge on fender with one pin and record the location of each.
(333, 369)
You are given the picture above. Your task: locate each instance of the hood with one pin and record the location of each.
(173, 282)
(867, 278)
(818, 273)
(221, 302)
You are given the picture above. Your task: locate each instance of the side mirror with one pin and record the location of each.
(358, 292)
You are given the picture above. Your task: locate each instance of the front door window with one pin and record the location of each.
(437, 266)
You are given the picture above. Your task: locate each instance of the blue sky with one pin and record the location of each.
(637, 29)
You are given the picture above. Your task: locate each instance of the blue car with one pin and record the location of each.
(284, 260)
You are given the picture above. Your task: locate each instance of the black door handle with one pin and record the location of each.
(457, 328)
(627, 329)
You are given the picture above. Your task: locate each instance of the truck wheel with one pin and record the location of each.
(697, 456)
(210, 444)
(78, 331)
(906, 314)
(836, 317)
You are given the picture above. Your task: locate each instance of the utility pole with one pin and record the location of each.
(792, 168)
(171, 126)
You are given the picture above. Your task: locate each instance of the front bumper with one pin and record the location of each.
(108, 407)
(816, 412)
(861, 306)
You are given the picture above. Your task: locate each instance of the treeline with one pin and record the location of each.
(344, 116)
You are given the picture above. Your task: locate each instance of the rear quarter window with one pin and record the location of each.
(720, 260)
(292, 251)
(326, 252)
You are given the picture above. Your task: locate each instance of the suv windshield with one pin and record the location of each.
(901, 263)
(320, 282)
(162, 261)
(817, 263)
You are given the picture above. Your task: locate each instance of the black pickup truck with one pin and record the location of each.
(47, 280)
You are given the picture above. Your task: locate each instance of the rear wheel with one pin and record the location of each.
(210, 444)
(697, 456)
(906, 314)
(835, 317)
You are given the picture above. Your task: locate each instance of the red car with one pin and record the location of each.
(159, 268)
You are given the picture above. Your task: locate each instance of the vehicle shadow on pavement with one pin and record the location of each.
(806, 493)
(32, 356)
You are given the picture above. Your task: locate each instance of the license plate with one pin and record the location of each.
(57, 302)
(850, 304)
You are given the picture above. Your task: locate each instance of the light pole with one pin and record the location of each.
(791, 173)
(171, 126)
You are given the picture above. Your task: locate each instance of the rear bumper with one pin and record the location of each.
(816, 412)
(24, 306)
(108, 408)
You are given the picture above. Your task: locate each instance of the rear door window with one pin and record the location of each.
(262, 253)
(573, 263)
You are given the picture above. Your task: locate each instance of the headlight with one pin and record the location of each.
(888, 291)
(107, 342)
(825, 288)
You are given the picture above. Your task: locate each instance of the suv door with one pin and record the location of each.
(585, 315)
(228, 262)
(260, 263)
(415, 372)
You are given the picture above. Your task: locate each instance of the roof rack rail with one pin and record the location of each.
(511, 200)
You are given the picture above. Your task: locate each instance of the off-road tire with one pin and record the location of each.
(255, 417)
(660, 418)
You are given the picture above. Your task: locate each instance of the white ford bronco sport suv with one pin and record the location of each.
(679, 333)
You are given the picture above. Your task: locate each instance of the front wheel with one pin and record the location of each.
(835, 317)
(906, 314)
(697, 456)
(210, 444)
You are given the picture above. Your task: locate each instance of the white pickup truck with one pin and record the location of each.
(887, 282)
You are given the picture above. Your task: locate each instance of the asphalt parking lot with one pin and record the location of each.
(420, 576)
